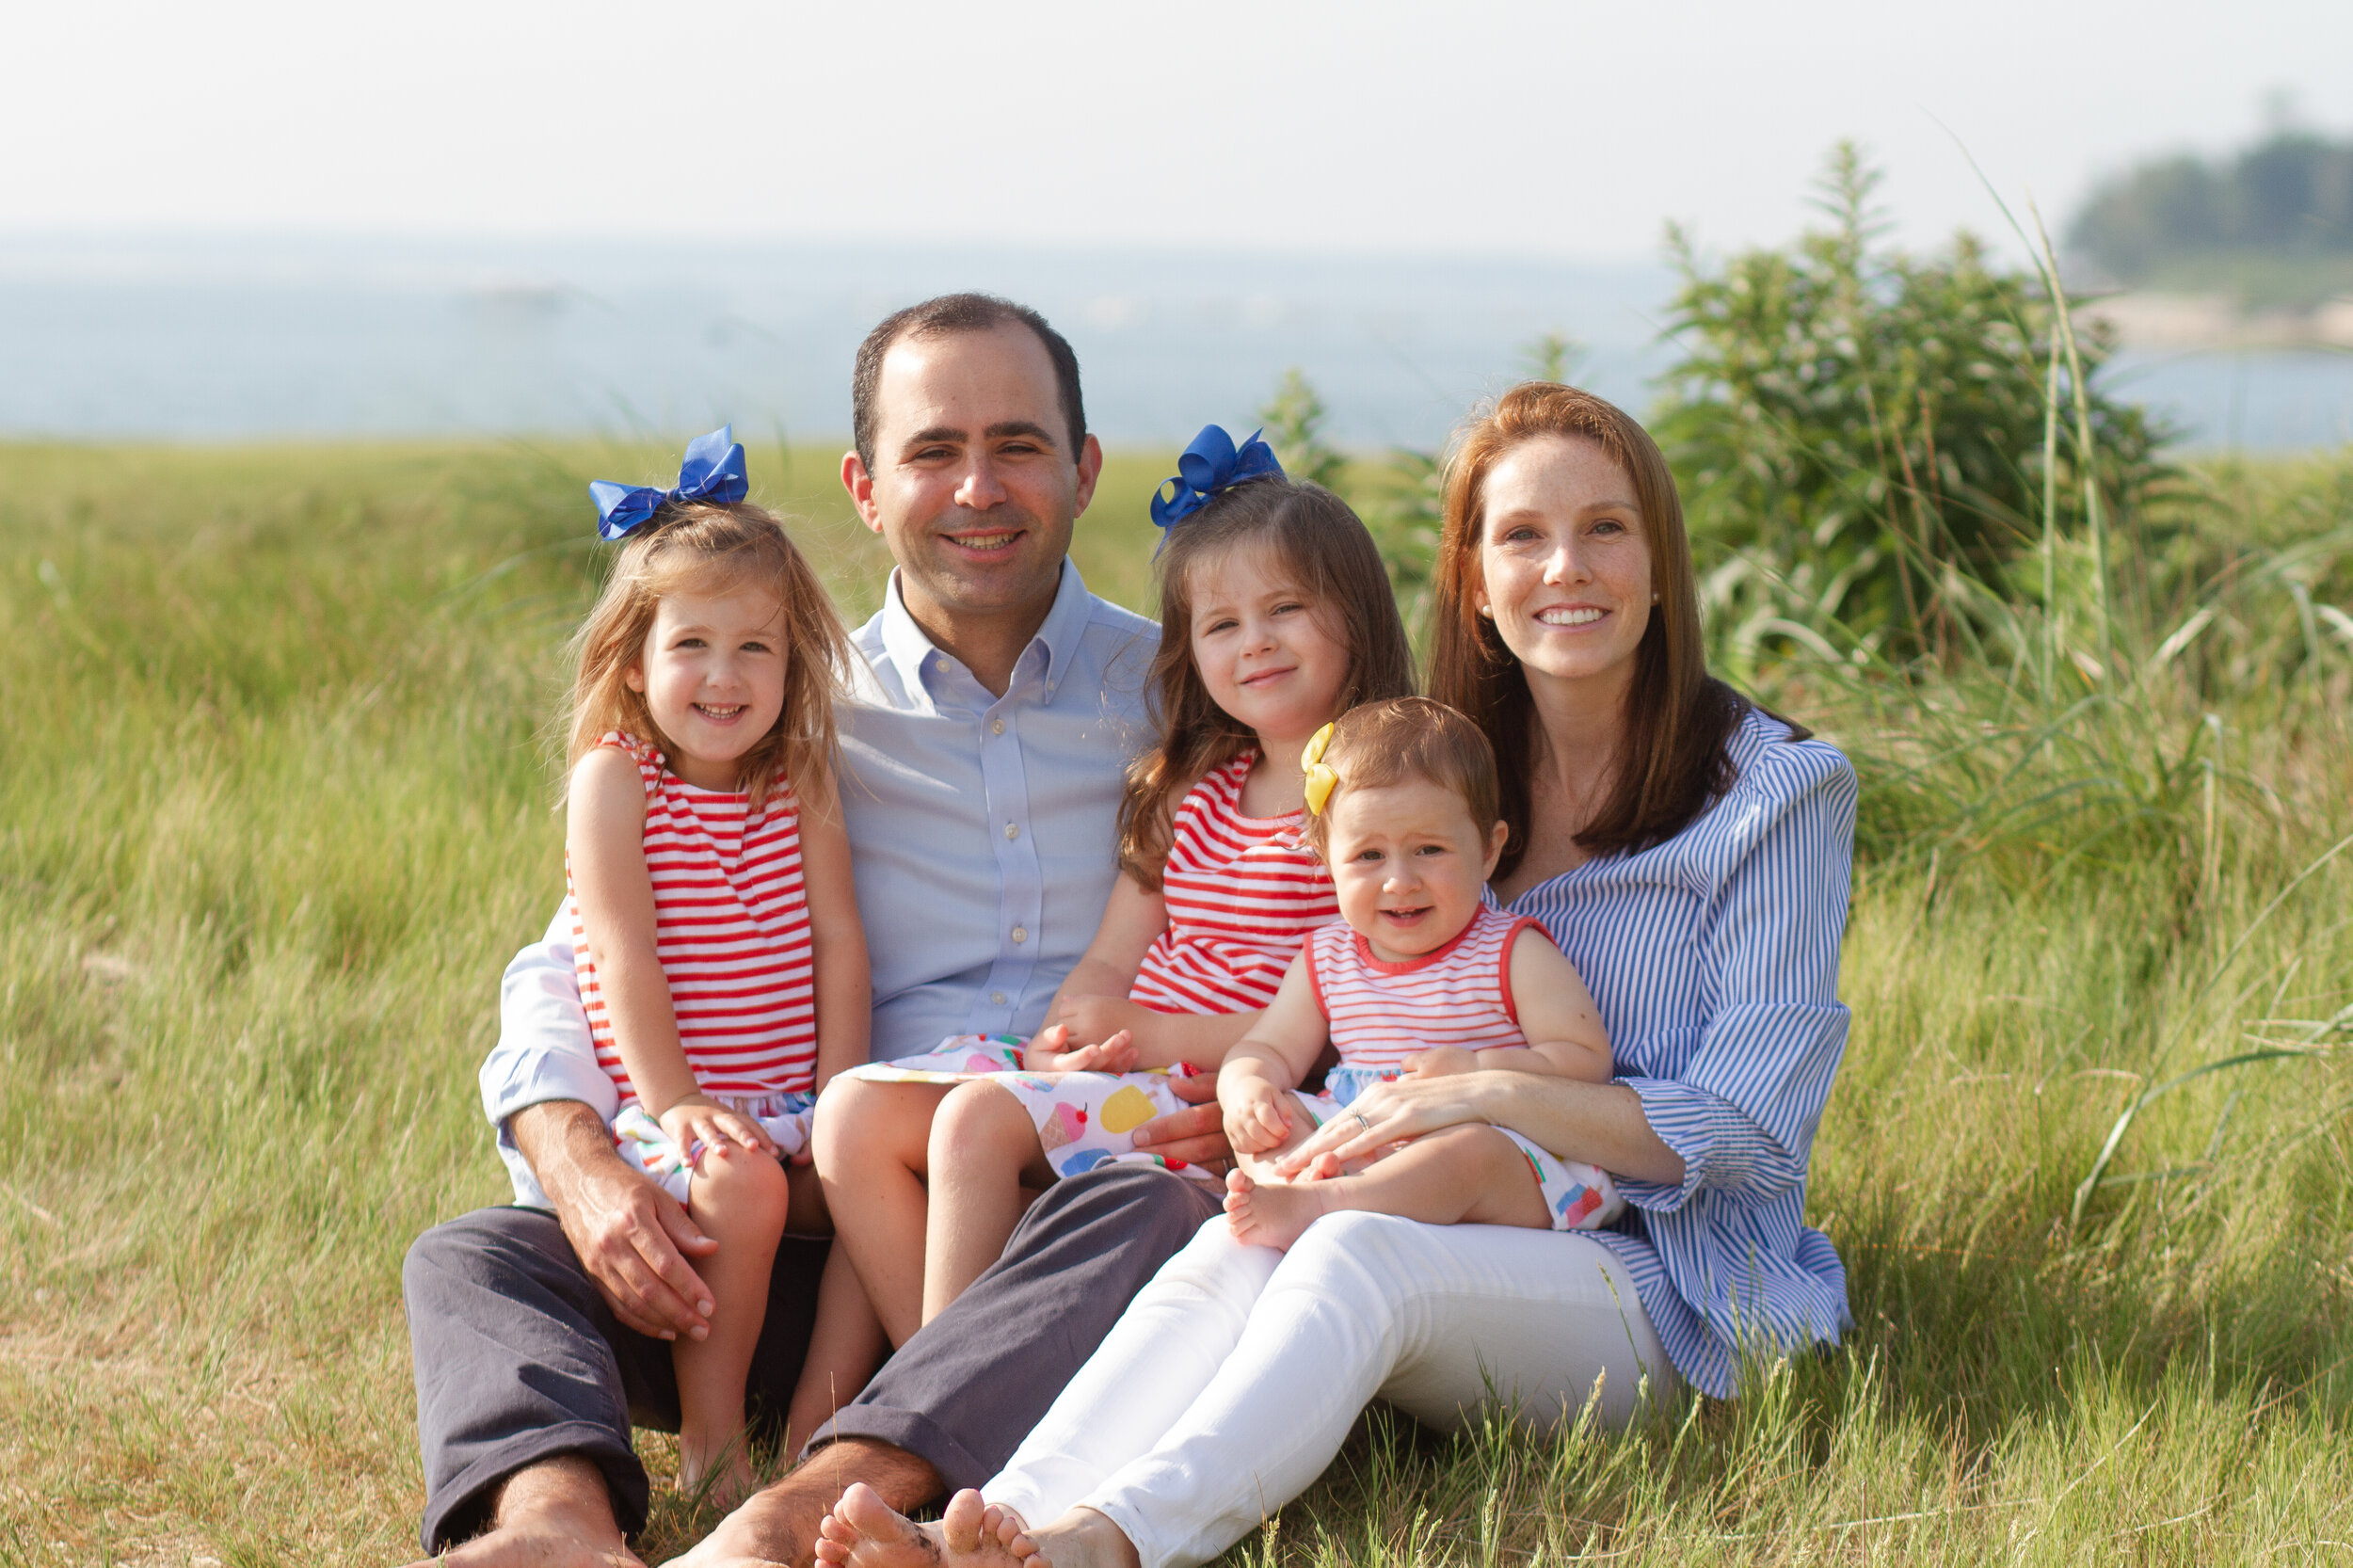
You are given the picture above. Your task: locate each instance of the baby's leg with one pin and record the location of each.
(871, 1142)
(1456, 1175)
(987, 1162)
(737, 1198)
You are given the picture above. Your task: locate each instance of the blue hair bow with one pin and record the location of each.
(714, 471)
(1211, 464)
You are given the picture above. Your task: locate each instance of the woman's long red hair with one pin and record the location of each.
(1680, 721)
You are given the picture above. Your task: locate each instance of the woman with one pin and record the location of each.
(1691, 854)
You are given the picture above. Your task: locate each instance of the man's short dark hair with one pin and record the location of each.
(951, 314)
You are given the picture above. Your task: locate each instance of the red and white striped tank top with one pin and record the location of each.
(1242, 893)
(731, 928)
(1382, 1013)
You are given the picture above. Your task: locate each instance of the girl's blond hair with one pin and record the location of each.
(713, 547)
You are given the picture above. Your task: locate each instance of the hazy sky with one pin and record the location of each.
(1567, 129)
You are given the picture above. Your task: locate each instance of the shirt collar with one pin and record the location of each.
(908, 648)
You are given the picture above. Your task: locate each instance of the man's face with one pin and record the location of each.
(975, 483)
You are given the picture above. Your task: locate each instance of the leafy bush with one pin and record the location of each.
(1861, 436)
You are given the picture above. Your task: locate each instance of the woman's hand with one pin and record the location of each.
(698, 1117)
(1391, 1112)
(1047, 1053)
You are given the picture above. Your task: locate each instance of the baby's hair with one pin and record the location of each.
(713, 547)
(1383, 744)
(1326, 551)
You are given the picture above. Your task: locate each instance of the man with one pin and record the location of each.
(983, 758)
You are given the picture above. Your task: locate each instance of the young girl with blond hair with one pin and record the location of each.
(716, 929)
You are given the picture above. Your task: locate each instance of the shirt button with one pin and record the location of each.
(1020, 933)
(941, 666)
(997, 726)
(998, 997)
(1013, 830)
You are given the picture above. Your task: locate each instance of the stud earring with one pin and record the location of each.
(1488, 611)
(1654, 599)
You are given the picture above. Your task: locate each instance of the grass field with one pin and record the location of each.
(274, 810)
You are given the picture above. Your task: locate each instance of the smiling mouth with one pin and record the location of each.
(718, 713)
(1565, 616)
(1405, 917)
(984, 543)
(1268, 674)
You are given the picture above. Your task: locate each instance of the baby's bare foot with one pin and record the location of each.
(1270, 1214)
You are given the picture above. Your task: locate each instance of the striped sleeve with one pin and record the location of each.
(1744, 1114)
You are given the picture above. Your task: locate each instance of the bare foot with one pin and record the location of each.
(863, 1531)
(1270, 1214)
(779, 1525)
(556, 1514)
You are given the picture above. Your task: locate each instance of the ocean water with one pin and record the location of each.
(234, 338)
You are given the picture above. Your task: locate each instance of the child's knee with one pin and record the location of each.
(980, 1118)
(741, 1181)
(847, 1115)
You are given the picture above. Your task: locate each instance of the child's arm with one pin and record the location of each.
(604, 839)
(1255, 1083)
(1074, 1037)
(1092, 1008)
(1565, 1036)
(844, 978)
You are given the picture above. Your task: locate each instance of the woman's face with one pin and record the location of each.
(1564, 561)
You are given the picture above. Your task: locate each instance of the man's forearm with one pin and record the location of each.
(559, 1140)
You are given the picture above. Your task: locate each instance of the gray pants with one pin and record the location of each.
(518, 1359)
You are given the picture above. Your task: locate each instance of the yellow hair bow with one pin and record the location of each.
(1321, 780)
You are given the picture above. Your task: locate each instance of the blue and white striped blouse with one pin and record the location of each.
(1714, 957)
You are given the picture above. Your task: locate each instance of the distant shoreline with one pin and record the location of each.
(2149, 318)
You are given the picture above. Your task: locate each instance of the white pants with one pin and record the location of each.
(1234, 1376)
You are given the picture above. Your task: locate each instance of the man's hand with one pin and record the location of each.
(1195, 1135)
(631, 1237)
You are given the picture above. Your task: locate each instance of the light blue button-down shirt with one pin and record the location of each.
(1714, 960)
(982, 836)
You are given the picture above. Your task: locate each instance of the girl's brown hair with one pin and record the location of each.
(1383, 744)
(1321, 547)
(711, 548)
(1680, 721)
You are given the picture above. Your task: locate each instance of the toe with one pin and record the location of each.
(962, 1520)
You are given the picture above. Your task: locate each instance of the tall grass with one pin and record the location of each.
(274, 810)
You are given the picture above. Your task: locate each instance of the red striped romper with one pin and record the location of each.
(1460, 994)
(731, 929)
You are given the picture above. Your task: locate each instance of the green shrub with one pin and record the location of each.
(1861, 435)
